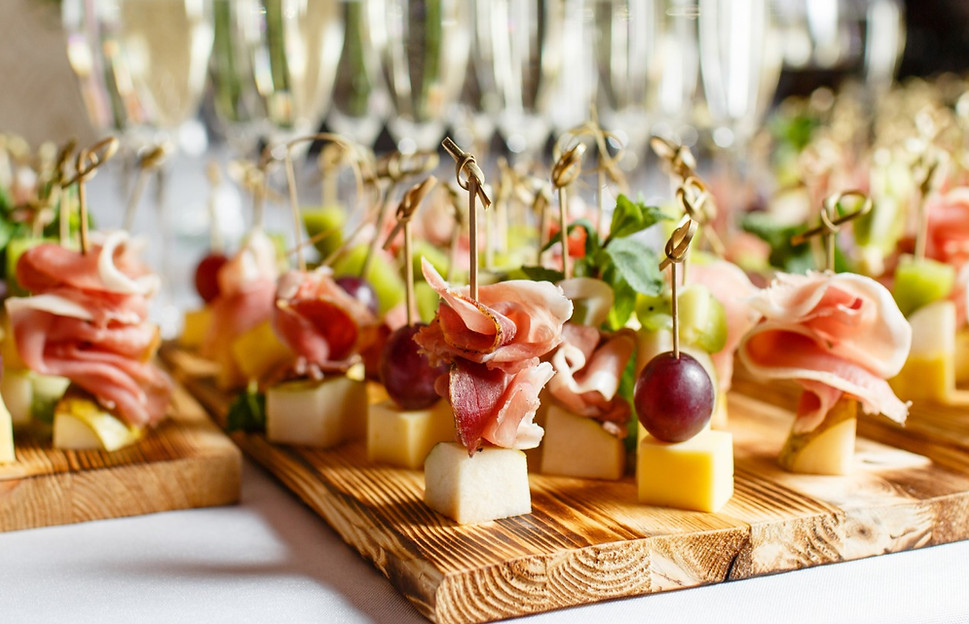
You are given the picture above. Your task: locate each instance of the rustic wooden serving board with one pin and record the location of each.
(587, 541)
(187, 462)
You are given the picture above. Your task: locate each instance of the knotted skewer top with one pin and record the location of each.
(88, 161)
(466, 163)
(831, 222)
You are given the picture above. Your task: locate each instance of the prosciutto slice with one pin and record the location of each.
(247, 286)
(493, 346)
(832, 333)
(87, 321)
(319, 320)
(588, 368)
(731, 286)
(510, 325)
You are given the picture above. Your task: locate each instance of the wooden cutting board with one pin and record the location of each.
(187, 462)
(587, 541)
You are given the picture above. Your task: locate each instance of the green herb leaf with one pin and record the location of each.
(542, 274)
(637, 264)
(247, 412)
(783, 255)
(624, 300)
(630, 217)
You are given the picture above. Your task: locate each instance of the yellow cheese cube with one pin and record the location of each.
(404, 437)
(258, 351)
(929, 372)
(962, 356)
(575, 446)
(8, 347)
(491, 484)
(196, 327)
(6, 436)
(316, 413)
(696, 474)
(376, 393)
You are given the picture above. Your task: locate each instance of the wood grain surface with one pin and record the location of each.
(587, 541)
(187, 462)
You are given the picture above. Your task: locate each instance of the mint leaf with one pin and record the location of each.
(247, 412)
(542, 274)
(783, 255)
(624, 300)
(636, 263)
(630, 217)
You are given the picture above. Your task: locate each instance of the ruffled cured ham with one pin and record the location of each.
(834, 334)
(588, 368)
(493, 345)
(320, 321)
(732, 288)
(948, 227)
(87, 321)
(247, 286)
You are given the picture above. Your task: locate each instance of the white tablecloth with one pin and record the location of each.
(270, 559)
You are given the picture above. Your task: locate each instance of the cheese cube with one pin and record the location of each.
(491, 484)
(962, 356)
(6, 436)
(829, 448)
(575, 446)
(316, 413)
(258, 351)
(930, 370)
(402, 437)
(196, 326)
(696, 474)
(81, 424)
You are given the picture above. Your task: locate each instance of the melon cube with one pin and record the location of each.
(575, 446)
(81, 424)
(404, 437)
(696, 474)
(829, 448)
(491, 484)
(316, 413)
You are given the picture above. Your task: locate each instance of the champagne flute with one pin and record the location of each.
(424, 58)
(520, 58)
(273, 67)
(626, 49)
(740, 62)
(360, 103)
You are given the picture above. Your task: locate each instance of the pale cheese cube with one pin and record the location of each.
(575, 446)
(316, 413)
(80, 424)
(829, 448)
(17, 389)
(404, 437)
(491, 484)
(696, 474)
(6, 436)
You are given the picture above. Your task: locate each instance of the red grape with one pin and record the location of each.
(673, 397)
(360, 289)
(207, 276)
(405, 372)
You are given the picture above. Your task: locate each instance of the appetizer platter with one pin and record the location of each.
(819, 450)
(90, 426)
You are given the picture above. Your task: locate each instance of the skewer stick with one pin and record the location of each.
(88, 161)
(473, 183)
(408, 206)
(677, 249)
(831, 222)
(567, 168)
(927, 185)
(147, 163)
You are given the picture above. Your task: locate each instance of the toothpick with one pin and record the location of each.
(408, 205)
(88, 161)
(677, 249)
(566, 170)
(474, 179)
(147, 163)
(831, 222)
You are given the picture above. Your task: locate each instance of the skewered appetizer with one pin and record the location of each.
(86, 321)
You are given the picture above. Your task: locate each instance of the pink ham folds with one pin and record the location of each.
(731, 286)
(247, 284)
(320, 321)
(87, 321)
(588, 368)
(493, 346)
(834, 334)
